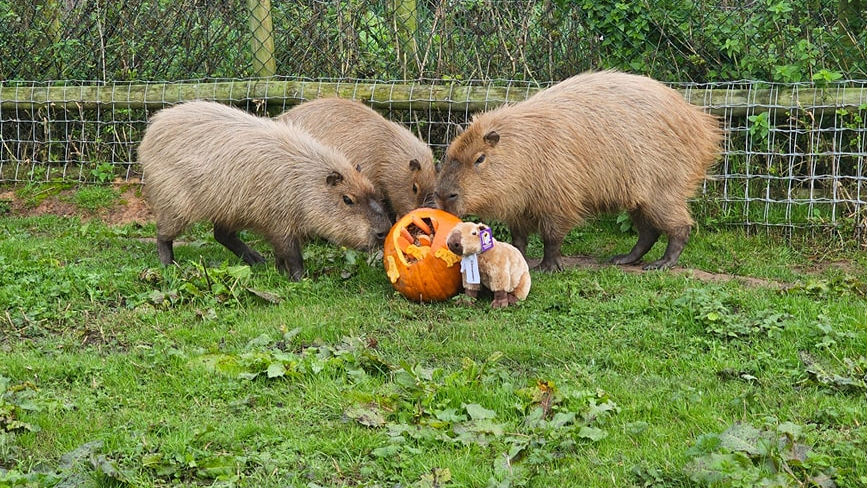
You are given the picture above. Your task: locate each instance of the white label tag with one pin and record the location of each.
(470, 269)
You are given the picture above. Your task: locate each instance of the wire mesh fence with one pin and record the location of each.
(671, 40)
(79, 78)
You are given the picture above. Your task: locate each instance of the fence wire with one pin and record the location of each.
(80, 78)
(541, 40)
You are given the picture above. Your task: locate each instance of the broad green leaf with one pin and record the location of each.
(592, 433)
(276, 369)
(478, 412)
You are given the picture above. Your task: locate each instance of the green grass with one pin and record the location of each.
(116, 371)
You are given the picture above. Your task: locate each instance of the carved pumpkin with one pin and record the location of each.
(418, 261)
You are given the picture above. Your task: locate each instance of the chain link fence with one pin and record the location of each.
(79, 78)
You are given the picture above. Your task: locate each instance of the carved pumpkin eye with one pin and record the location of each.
(415, 189)
(480, 160)
(348, 200)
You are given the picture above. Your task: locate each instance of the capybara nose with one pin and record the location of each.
(429, 200)
(454, 244)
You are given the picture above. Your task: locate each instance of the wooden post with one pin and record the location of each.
(405, 23)
(262, 38)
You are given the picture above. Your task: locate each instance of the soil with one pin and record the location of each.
(129, 208)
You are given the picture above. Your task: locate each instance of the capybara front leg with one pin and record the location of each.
(647, 237)
(164, 249)
(520, 238)
(234, 243)
(501, 299)
(676, 242)
(551, 257)
(289, 258)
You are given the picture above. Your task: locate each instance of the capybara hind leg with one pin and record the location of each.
(164, 249)
(512, 298)
(676, 242)
(237, 246)
(647, 237)
(501, 299)
(288, 256)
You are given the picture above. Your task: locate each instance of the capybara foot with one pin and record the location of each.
(550, 265)
(252, 258)
(624, 259)
(512, 298)
(472, 292)
(664, 263)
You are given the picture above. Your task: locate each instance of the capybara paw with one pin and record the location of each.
(500, 303)
(663, 263)
(512, 299)
(253, 258)
(624, 259)
(549, 265)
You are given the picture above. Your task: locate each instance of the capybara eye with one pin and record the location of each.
(415, 188)
(347, 200)
(480, 160)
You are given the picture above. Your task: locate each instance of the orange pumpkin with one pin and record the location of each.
(418, 261)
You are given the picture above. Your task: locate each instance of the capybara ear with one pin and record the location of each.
(414, 165)
(483, 226)
(334, 178)
(492, 138)
(459, 129)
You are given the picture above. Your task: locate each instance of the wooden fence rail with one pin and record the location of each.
(731, 101)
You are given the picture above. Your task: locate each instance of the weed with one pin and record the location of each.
(92, 198)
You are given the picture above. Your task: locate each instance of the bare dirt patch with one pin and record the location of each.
(590, 262)
(129, 208)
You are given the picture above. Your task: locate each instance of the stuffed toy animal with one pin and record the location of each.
(498, 266)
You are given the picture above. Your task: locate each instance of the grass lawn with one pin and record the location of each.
(745, 366)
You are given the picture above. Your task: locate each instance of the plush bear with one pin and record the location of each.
(498, 266)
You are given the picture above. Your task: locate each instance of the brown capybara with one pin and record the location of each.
(207, 161)
(596, 142)
(399, 164)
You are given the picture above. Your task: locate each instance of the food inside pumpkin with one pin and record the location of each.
(414, 240)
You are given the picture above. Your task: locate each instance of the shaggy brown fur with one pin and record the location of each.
(502, 268)
(398, 163)
(207, 161)
(596, 142)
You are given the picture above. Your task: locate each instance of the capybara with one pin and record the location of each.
(596, 142)
(498, 266)
(207, 161)
(399, 164)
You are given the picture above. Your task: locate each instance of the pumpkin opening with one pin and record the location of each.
(414, 240)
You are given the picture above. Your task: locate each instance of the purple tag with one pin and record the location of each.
(486, 238)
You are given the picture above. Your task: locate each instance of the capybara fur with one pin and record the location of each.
(399, 164)
(596, 142)
(207, 161)
(502, 268)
